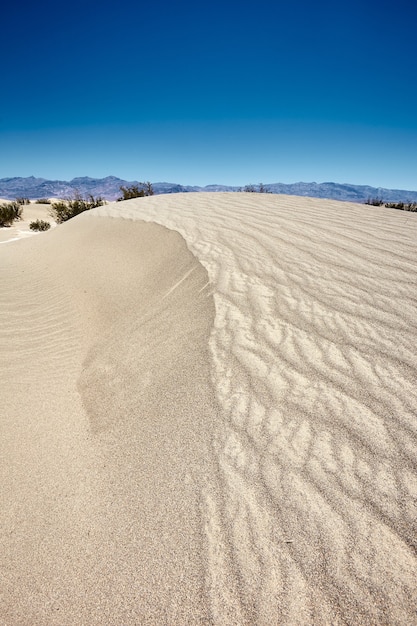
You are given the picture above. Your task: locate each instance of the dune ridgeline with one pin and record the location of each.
(208, 414)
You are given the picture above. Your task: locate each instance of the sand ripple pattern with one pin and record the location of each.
(311, 517)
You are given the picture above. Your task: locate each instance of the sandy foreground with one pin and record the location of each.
(209, 415)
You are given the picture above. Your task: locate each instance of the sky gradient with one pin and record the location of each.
(228, 93)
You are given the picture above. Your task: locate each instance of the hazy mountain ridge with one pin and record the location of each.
(109, 188)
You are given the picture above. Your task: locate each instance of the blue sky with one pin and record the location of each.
(227, 92)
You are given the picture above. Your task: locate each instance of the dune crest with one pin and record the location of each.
(224, 434)
(314, 366)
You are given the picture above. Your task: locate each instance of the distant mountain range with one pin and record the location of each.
(109, 188)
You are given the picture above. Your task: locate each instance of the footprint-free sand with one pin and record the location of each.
(209, 415)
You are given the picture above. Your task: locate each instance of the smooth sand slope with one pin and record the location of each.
(214, 428)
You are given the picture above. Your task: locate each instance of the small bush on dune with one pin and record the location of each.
(22, 201)
(39, 225)
(261, 188)
(136, 191)
(64, 210)
(10, 212)
(395, 205)
(402, 206)
(374, 201)
(43, 201)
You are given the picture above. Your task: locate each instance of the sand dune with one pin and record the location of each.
(21, 229)
(211, 418)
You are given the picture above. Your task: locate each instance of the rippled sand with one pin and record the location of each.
(218, 427)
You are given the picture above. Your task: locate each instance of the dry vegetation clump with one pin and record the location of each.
(64, 210)
(10, 212)
(136, 191)
(374, 201)
(402, 206)
(39, 225)
(261, 188)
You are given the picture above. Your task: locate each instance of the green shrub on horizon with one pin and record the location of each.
(402, 206)
(64, 210)
(261, 188)
(374, 201)
(43, 201)
(136, 191)
(10, 212)
(39, 225)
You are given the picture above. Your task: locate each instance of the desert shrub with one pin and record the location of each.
(43, 201)
(261, 188)
(374, 201)
(402, 206)
(22, 201)
(395, 205)
(136, 191)
(64, 210)
(39, 225)
(10, 212)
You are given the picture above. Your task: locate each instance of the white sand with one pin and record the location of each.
(232, 442)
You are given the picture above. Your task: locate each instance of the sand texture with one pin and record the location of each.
(208, 415)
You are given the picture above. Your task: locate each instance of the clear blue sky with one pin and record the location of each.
(221, 92)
